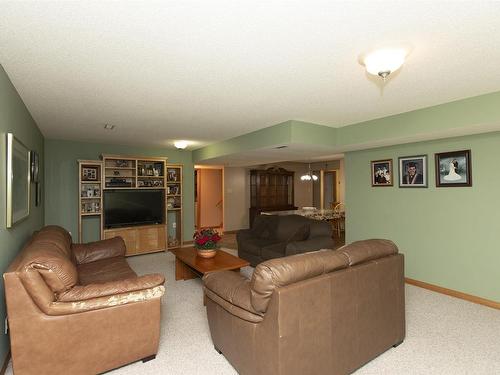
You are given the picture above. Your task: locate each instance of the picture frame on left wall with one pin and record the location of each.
(382, 174)
(18, 181)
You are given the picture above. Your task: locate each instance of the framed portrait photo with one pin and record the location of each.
(382, 172)
(413, 171)
(453, 169)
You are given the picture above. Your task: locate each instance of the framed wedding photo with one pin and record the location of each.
(413, 171)
(382, 172)
(453, 169)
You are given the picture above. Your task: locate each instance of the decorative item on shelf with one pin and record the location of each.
(89, 174)
(116, 173)
(172, 175)
(172, 241)
(121, 163)
(170, 203)
(205, 242)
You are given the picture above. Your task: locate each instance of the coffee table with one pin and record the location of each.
(189, 266)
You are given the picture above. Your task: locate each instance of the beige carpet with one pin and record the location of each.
(445, 335)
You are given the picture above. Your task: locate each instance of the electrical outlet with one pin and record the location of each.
(174, 225)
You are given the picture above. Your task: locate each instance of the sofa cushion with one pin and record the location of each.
(93, 251)
(320, 228)
(301, 234)
(102, 271)
(363, 251)
(56, 236)
(289, 225)
(255, 245)
(275, 273)
(264, 226)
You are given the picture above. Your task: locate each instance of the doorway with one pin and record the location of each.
(330, 196)
(209, 197)
(325, 189)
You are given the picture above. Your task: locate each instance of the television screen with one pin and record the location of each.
(124, 208)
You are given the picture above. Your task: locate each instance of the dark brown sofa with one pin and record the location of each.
(324, 312)
(79, 309)
(276, 236)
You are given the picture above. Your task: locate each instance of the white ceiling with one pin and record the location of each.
(211, 70)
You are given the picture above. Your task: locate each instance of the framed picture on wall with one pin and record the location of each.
(18, 181)
(413, 171)
(453, 169)
(382, 172)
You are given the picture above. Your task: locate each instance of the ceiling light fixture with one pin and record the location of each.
(309, 175)
(109, 126)
(181, 145)
(383, 62)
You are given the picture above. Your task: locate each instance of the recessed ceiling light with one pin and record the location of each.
(181, 145)
(109, 126)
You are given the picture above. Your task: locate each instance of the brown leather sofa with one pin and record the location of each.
(277, 236)
(324, 312)
(79, 308)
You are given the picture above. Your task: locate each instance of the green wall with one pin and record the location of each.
(15, 118)
(449, 235)
(61, 176)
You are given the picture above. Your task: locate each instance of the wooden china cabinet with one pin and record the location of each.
(270, 190)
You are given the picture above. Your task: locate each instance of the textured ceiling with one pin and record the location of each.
(208, 71)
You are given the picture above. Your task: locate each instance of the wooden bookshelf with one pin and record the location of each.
(89, 192)
(174, 206)
(141, 173)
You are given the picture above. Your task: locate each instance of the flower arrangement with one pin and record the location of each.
(206, 239)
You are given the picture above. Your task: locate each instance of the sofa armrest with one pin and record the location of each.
(68, 308)
(93, 251)
(231, 291)
(244, 233)
(86, 292)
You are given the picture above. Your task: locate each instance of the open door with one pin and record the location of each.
(209, 201)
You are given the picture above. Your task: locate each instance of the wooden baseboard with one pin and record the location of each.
(5, 363)
(231, 231)
(454, 293)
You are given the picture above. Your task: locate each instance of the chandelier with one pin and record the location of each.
(309, 175)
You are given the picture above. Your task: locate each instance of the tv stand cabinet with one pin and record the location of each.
(138, 173)
(140, 239)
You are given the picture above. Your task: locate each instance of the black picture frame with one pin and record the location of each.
(454, 169)
(382, 173)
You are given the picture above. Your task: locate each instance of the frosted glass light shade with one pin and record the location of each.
(384, 61)
(181, 145)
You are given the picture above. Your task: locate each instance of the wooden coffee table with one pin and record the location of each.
(189, 266)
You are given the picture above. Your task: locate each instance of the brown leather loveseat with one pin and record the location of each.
(324, 312)
(79, 308)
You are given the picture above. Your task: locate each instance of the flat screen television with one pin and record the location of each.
(124, 208)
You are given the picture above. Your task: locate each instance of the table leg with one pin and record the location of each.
(183, 272)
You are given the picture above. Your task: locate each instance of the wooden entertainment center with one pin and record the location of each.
(119, 172)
